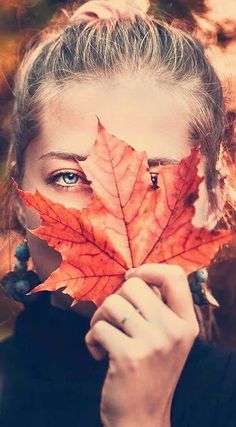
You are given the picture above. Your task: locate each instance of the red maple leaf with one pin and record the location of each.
(126, 223)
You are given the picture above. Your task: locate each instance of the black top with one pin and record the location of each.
(49, 379)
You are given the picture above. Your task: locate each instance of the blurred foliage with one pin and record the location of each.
(22, 19)
(19, 20)
(181, 10)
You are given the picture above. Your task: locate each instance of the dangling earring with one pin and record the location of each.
(154, 180)
(201, 294)
(19, 282)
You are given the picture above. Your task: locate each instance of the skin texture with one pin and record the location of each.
(149, 118)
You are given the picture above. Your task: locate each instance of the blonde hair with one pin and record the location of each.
(73, 49)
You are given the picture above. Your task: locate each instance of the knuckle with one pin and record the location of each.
(163, 348)
(131, 284)
(98, 327)
(110, 302)
(195, 329)
(132, 364)
(158, 343)
(162, 343)
(87, 339)
(158, 348)
(177, 336)
(180, 273)
(192, 330)
(135, 356)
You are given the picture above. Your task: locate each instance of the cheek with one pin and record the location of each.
(32, 218)
(202, 203)
(78, 198)
(201, 207)
(45, 259)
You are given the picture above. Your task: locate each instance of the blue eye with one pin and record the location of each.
(70, 178)
(66, 179)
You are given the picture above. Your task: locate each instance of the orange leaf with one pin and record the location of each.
(126, 223)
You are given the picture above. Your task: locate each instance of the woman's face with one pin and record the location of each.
(147, 116)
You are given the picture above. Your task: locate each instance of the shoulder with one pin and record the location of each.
(206, 391)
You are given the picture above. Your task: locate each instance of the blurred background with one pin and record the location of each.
(214, 22)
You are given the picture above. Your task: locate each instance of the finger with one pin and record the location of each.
(142, 296)
(156, 290)
(107, 337)
(96, 350)
(173, 284)
(114, 309)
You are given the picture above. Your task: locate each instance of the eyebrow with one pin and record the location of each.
(153, 161)
(64, 156)
(156, 161)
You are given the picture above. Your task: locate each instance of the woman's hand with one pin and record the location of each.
(148, 351)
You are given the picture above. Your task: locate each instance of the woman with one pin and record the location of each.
(134, 361)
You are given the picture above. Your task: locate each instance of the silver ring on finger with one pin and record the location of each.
(128, 316)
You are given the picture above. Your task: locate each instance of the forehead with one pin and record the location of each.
(147, 115)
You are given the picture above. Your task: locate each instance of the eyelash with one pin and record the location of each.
(52, 180)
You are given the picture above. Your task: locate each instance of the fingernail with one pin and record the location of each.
(130, 273)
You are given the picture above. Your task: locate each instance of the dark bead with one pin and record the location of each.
(199, 298)
(20, 266)
(9, 282)
(17, 285)
(22, 287)
(195, 286)
(154, 179)
(22, 252)
(32, 278)
(195, 280)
